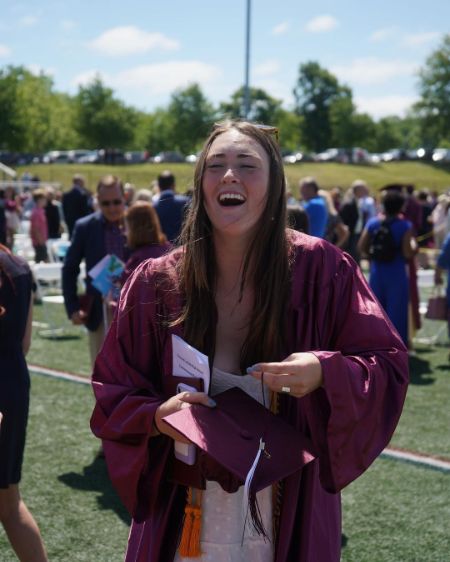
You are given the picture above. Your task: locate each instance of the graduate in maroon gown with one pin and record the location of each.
(256, 298)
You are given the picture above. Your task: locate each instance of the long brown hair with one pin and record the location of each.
(143, 226)
(265, 267)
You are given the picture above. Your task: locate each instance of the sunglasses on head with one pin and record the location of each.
(115, 202)
(268, 129)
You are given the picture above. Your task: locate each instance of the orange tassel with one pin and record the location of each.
(190, 536)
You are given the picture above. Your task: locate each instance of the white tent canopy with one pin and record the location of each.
(7, 170)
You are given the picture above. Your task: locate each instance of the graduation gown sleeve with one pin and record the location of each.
(127, 386)
(365, 372)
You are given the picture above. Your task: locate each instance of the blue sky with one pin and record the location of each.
(145, 49)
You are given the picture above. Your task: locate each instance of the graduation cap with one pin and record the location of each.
(243, 442)
(393, 187)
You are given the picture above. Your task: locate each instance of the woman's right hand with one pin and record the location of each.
(178, 402)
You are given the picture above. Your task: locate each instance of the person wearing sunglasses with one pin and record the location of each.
(276, 312)
(94, 236)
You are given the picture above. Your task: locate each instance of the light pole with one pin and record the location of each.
(247, 63)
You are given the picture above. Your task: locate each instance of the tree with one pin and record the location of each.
(263, 107)
(62, 123)
(289, 127)
(341, 114)
(191, 116)
(33, 118)
(315, 92)
(159, 132)
(12, 128)
(102, 120)
(434, 87)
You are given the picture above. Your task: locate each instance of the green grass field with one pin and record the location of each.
(328, 175)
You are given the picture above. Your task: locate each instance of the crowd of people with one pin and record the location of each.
(418, 220)
(281, 313)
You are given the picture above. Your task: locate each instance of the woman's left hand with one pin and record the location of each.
(297, 375)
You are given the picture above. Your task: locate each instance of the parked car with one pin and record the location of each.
(290, 158)
(16, 158)
(75, 155)
(333, 155)
(360, 156)
(168, 156)
(136, 156)
(91, 157)
(192, 158)
(375, 158)
(56, 157)
(391, 155)
(425, 154)
(111, 156)
(441, 155)
(294, 157)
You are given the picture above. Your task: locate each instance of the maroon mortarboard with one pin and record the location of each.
(244, 439)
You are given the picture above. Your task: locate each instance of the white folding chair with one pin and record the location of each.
(23, 247)
(57, 249)
(48, 277)
(49, 291)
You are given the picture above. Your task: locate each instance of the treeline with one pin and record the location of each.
(35, 118)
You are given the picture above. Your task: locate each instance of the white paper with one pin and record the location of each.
(189, 362)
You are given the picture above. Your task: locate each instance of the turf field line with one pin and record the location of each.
(397, 454)
(59, 374)
(417, 458)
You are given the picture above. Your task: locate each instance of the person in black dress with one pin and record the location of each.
(15, 337)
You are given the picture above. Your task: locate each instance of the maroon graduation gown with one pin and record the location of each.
(350, 419)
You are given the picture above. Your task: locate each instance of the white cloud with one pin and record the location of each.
(281, 28)
(277, 89)
(382, 106)
(321, 24)
(267, 68)
(130, 40)
(85, 78)
(155, 79)
(37, 70)
(383, 34)
(4, 51)
(372, 70)
(28, 21)
(418, 39)
(163, 78)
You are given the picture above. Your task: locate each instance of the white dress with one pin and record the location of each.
(223, 538)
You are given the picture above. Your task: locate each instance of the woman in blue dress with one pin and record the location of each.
(389, 277)
(443, 264)
(15, 337)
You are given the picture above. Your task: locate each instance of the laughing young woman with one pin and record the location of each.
(256, 298)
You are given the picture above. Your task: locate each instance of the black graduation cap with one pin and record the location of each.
(393, 187)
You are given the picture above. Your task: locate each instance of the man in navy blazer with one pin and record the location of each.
(170, 207)
(94, 237)
(76, 203)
